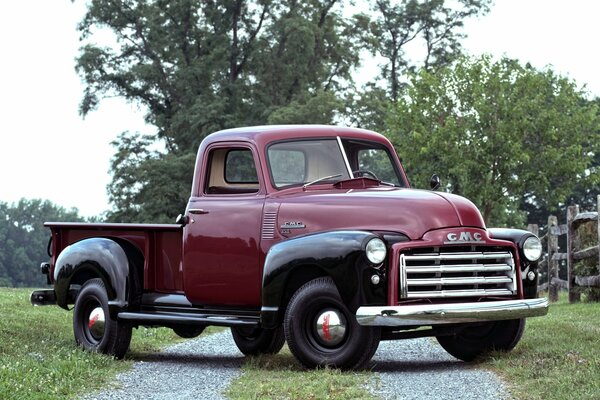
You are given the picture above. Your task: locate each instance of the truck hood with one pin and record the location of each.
(408, 211)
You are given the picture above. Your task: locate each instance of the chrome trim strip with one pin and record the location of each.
(345, 157)
(437, 294)
(474, 280)
(459, 268)
(454, 313)
(403, 287)
(460, 256)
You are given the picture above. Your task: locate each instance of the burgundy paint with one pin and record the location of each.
(217, 258)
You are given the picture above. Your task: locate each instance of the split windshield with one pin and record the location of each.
(293, 163)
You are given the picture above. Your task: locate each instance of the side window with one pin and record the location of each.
(239, 167)
(231, 171)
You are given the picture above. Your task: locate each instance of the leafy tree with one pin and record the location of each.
(390, 28)
(501, 134)
(198, 66)
(23, 239)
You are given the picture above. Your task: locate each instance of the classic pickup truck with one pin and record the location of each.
(305, 234)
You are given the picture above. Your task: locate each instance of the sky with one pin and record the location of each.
(48, 151)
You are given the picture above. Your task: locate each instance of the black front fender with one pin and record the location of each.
(93, 258)
(338, 254)
(518, 237)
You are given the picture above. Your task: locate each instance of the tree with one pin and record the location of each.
(500, 133)
(23, 239)
(390, 29)
(199, 66)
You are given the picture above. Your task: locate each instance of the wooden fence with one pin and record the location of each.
(553, 257)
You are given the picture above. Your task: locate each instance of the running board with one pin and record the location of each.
(171, 318)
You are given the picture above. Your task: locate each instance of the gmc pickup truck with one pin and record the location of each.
(305, 234)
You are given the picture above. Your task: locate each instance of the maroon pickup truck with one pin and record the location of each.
(305, 234)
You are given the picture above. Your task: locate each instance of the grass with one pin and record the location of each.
(38, 356)
(558, 357)
(280, 376)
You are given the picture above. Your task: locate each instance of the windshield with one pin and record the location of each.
(300, 162)
(304, 161)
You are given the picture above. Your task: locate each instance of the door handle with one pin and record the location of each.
(197, 211)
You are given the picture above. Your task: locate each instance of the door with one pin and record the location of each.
(222, 238)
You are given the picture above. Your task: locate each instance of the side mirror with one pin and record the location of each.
(434, 183)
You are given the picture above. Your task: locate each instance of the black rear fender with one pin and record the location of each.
(113, 262)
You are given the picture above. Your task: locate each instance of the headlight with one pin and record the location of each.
(532, 248)
(376, 251)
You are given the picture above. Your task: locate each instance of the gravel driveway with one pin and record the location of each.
(421, 369)
(195, 369)
(203, 368)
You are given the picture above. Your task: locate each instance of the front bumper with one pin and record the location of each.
(452, 313)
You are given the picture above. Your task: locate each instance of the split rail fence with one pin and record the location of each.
(574, 283)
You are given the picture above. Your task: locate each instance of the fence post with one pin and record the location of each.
(574, 295)
(534, 228)
(552, 263)
(598, 205)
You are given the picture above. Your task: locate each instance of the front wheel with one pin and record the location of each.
(93, 326)
(253, 341)
(320, 330)
(474, 341)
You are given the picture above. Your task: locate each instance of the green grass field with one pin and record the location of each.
(38, 356)
(558, 358)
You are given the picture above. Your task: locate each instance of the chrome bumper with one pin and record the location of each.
(452, 313)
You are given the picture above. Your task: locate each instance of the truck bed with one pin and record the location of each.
(160, 245)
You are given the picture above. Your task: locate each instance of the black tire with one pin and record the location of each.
(349, 348)
(472, 342)
(254, 341)
(91, 306)
(188, 331)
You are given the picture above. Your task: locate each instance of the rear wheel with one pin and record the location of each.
(254, 341)
(320, 330)
(478, 340)
(93, 327)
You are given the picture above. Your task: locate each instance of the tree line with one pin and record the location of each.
(24, 240)
(518, 141)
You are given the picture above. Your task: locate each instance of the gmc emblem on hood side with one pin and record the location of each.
(464, 237)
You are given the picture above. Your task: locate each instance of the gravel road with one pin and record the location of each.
(421, 369)
(203, 368)
(195, 369)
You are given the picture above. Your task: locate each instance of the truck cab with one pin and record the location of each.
(305, 234)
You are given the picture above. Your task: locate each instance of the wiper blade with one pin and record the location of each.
(320, 180)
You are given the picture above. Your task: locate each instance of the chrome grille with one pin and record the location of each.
(457, 272)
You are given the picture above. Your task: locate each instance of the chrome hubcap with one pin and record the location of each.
(331, 327)
(96, 322)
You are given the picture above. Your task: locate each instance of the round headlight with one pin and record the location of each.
(532, 248)
(376, 251)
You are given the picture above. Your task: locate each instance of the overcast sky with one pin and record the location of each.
(48, 151)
